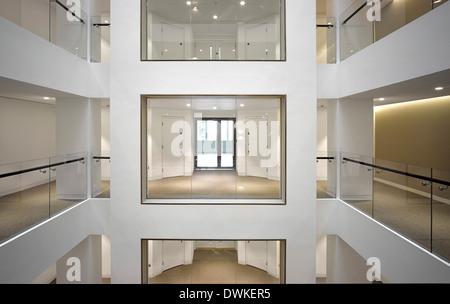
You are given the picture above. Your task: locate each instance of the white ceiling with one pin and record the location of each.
(17, 90)
(213, 103)
(410, 90)
(226, 10)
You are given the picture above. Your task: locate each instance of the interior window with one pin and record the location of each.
(214, 147)
(213, 30)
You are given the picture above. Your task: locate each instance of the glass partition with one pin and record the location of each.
(362, 25)
(58, 22)
(100, 175)
(412, 200)
(33, 191)
(212, 147)
(68, 28)
(402, 199)
(357, 181)
(100, 38)
(178, 261)
(213, 30)
(440, 233)
(326, 40)
(326, 174)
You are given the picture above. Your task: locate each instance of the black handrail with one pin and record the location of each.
(40, 167)
(430, 179)
(354, 13)
(67, 9)
(325, 157)
(101, 24)
(324, 25)
(102, 157)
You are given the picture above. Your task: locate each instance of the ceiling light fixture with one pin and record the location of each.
(188, 105)
(215, 108)
(188, 2)
(381, 99)
(439, 88)
(215, 17)
(242, 105)
(195, 8)
(242, 3)
(47, 98)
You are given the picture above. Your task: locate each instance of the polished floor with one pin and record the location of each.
(214, 267)
(214, 184)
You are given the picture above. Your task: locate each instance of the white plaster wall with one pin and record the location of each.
(89, 268)
(132, 221)
(48, 65)
(27, 135)
(26, 256)
(402, 55)
(322, 165)
(27, 130)
(401, 260)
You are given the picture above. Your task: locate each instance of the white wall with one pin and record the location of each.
(48, 65)
(295, 222)
(48, 242)
(344, 265)
(322, 142)
(105, 143)
(27, 134)
(27, 130)
(87, 269)
(401, 260)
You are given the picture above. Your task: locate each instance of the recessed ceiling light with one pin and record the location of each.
(195, 8)
(242, 3)
(381, 99)
(188, 2)
(215, 17)
(215, 108)
(242, 105)
(47, 98)
(188, 105)
(439, 88)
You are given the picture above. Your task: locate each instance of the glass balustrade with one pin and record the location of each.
(36, 190)
(326, 174)
(100, 38)
(411, 200)
(361, 24)
(58, 22)
(326, 40)
(100, 175)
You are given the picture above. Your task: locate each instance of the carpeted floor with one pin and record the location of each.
(22, 210)
(214, 184)
(410, 214)
(321, 190)
(214, 267)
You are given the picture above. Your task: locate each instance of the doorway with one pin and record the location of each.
(215, 143)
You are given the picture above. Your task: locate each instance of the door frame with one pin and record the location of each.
(219, 136)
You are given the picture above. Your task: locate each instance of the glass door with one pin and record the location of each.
(227, 158)
(215, 143)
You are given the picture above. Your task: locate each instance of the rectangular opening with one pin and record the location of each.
(213, 30)
(213, 149)
(213, 261)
